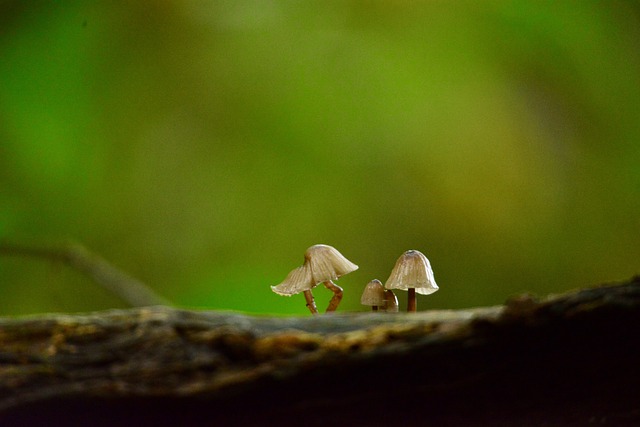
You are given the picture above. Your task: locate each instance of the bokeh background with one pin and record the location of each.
(203, 146)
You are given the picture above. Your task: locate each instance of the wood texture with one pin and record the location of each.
(565, 360)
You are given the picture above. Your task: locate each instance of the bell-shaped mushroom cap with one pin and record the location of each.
(299, 280)
(412, 270)
(373, 294)
(390, 301)
(326, 263)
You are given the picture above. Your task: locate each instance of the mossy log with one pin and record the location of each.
(572, 359)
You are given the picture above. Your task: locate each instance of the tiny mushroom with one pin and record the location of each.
(412, 272)
(322, 264)
(373, 295)
(390, 301)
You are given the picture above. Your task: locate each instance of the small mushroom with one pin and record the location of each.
(322, 264)
(390, 301)
(413, 273)
(373, 295)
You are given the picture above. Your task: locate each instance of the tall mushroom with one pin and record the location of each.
(322, 264)
(412, 272)
(373, 295)
(327, 265)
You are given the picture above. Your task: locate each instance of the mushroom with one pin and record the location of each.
(322, 264)
(412, 272)
(390, 301)
(327, 264)
(373, 295)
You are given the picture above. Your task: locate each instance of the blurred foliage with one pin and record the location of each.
(203, 146)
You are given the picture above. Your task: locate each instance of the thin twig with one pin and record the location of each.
(114, 280)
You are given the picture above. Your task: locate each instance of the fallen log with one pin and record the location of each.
(571, 359)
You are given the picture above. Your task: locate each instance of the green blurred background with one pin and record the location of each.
(203, 146)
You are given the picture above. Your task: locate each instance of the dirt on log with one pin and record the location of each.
(572, 359)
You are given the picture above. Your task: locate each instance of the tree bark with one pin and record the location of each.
(564, 360)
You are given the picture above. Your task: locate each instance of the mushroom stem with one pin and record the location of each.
(374, 308)
(337, 295)
(411, 301)
(311, 304)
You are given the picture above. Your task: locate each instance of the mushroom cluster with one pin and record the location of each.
(378, 298)
(324, 264)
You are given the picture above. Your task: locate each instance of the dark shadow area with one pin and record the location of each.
(541, 370)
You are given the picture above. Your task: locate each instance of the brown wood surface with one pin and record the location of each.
(572, 359)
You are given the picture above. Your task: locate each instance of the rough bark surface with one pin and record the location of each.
(572, 359)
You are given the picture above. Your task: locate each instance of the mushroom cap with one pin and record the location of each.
(412, 270)
(298, 280)
(326, 263)
(391, 301)
(373, 294)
